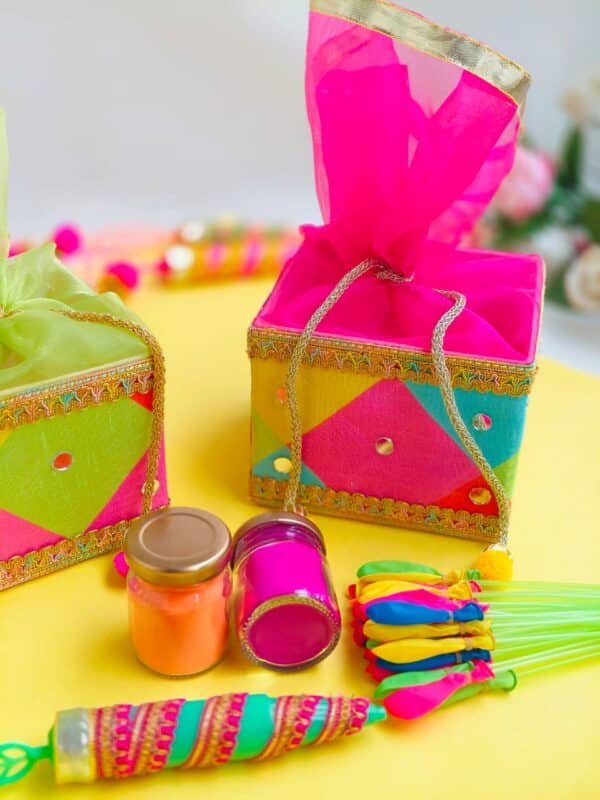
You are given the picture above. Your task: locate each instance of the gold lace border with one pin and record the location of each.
(422, 34)
(383, 511)
(91, 388)
(388, 362)
(36, 564)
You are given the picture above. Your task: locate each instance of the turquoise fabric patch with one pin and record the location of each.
(266, 469)
(498, 444)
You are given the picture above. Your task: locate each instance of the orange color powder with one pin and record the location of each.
(179, 630)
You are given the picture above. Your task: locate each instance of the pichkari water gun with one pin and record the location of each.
(121, 741)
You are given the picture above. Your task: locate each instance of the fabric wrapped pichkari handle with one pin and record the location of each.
(122, 741)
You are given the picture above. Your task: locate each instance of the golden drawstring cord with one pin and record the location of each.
(463, 433)
(158, 395)
(291, 496)
(158, 367)
(441, 369)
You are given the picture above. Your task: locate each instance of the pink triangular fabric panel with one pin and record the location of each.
(126, 502)
(19, 536)
(426, 463)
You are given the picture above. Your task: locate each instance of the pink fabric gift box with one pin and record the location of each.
(414, 127)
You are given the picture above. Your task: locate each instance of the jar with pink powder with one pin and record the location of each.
(286, 612)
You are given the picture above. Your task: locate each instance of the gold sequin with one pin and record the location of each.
(385, 446)
(282, 465)
(481, 422)
(480, 496)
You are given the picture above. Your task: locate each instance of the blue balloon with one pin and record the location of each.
(399, 612)
(445, 660)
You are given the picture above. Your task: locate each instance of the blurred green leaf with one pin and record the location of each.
(555, 289)
(570, 160)
(591, 217)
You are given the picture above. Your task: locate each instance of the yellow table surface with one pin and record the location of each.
(64, 643)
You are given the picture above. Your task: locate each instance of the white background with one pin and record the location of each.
(154, 111)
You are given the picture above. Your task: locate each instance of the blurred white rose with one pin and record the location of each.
(582, 281)
(583, 103)
(557, 246)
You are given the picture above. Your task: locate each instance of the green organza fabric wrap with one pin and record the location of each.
(37, 344)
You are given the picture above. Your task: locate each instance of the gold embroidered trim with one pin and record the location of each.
(390, 362)
(422, 34)
(95, 387)
(65, 553)
(384, 511)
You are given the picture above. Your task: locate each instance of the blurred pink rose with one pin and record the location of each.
(527, 186)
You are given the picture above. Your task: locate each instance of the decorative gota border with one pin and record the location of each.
(384, 511)
(65, 553)
(422, 34)
(389, 362)
(91, 388)
(284, 600)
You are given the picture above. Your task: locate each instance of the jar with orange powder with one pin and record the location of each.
(178, 587)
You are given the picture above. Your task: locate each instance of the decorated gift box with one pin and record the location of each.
(81, 414)
(414, 354)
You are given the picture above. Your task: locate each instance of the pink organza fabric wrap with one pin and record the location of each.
(408, 152)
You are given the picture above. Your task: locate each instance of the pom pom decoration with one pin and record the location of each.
(120, 564)
(117, 259)
(495, 564)
(68, 239)
(119, 277)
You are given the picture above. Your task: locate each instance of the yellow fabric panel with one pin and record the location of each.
(392, 633)
(264, 441)
(64, 640)
(328, 391)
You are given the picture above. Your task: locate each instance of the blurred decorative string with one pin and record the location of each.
(119, 259)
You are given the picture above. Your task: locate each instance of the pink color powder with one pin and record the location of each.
(286, 610)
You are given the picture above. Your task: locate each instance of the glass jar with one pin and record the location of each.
(286, 612)
(178, 588)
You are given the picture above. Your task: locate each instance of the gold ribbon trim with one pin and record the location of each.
(381, 510)
(422, 34)
(347, 355)
(37, 563)
(77, 393)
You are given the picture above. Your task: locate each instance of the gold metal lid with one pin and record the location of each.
(178, 546)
